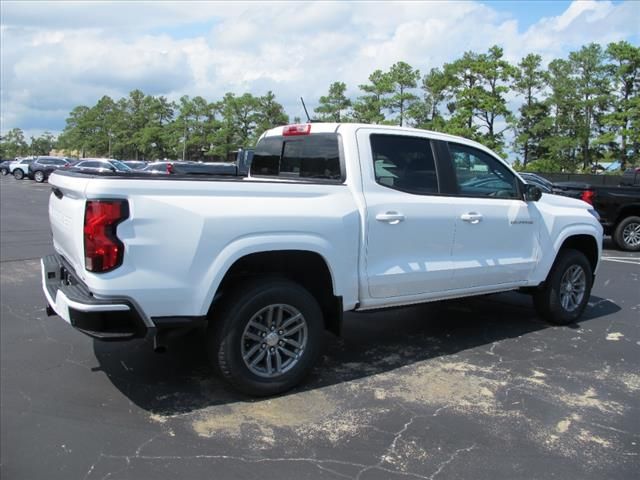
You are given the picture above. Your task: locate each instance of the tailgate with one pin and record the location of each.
(66, 217)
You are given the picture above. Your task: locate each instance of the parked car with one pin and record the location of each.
(617, 206)
(20, 167)
(135, 164)
(42, 167)
(631, 176)
(542, 183)
(158, 167)
(98, 165)
(332, 218)
(192, 168)
(4, 167)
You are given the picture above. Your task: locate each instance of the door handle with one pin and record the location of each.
(471, 217)
(392, 218)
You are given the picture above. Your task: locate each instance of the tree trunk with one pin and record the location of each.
(401, 105)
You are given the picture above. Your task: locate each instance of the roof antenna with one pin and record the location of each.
(305, 111)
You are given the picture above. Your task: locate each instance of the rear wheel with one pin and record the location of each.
(565, 293)
(266, 339)
(38, 176)
(627, 234)
(18, 174)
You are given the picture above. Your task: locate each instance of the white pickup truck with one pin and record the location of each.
(332, 218)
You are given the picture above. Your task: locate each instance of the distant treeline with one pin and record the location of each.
(572, 114)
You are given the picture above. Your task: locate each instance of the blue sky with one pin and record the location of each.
(57, 55)
(528, 13)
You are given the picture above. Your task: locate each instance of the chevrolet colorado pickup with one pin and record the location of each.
(331, 218)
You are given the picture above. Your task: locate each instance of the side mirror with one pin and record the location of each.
(532, 193)
(113, 169)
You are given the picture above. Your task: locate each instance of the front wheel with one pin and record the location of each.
(38, 176)
(265, 339)
(4, 171)
(627, 234)
(18, 174)
(565, 293)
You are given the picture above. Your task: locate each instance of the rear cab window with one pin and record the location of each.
(314, 157)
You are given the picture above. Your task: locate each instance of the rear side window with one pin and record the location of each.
(306, 157)
(404, 163)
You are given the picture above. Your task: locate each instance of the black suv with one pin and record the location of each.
(42, 167)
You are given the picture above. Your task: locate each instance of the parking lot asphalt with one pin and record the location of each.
(478, 388)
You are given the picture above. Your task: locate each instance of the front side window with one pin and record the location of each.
(404, 163)
(480, 175)
(314, 156)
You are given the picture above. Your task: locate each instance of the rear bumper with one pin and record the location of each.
(116, 318)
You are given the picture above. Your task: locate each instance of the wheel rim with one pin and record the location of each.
(631, 234)
(39, 176)
(274, 340)
(573, 287)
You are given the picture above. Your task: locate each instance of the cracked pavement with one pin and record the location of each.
(478, 388)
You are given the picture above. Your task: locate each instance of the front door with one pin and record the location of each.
(495, 233)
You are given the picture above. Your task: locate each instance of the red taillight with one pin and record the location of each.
(292, 130)
(169, 167)
(587, 196)
(102, 249)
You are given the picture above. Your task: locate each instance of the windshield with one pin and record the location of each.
(121, 167)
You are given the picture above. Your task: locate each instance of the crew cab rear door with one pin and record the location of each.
(409, 226)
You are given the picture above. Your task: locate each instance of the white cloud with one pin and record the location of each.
(63, 54)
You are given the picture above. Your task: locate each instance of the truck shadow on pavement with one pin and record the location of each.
(181, 380)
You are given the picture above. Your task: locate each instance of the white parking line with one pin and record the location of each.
(627, 260)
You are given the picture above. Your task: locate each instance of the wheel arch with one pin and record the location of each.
(587, 244)
(632, 210)
(306, 266)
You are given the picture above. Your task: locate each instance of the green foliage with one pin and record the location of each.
(576, 112)
(479, 83)
(622, 122)
(43, 144)
(547, 165)
(369, 107)
(401, 77)
(332, 105)
(534, 124)
(427, 114)
(13, 144)
(146, 127)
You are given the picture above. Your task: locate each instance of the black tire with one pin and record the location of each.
(227, 329)
(39, 176)
(18, 174)
(548, 298)
(629, 240)
(4, 171)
